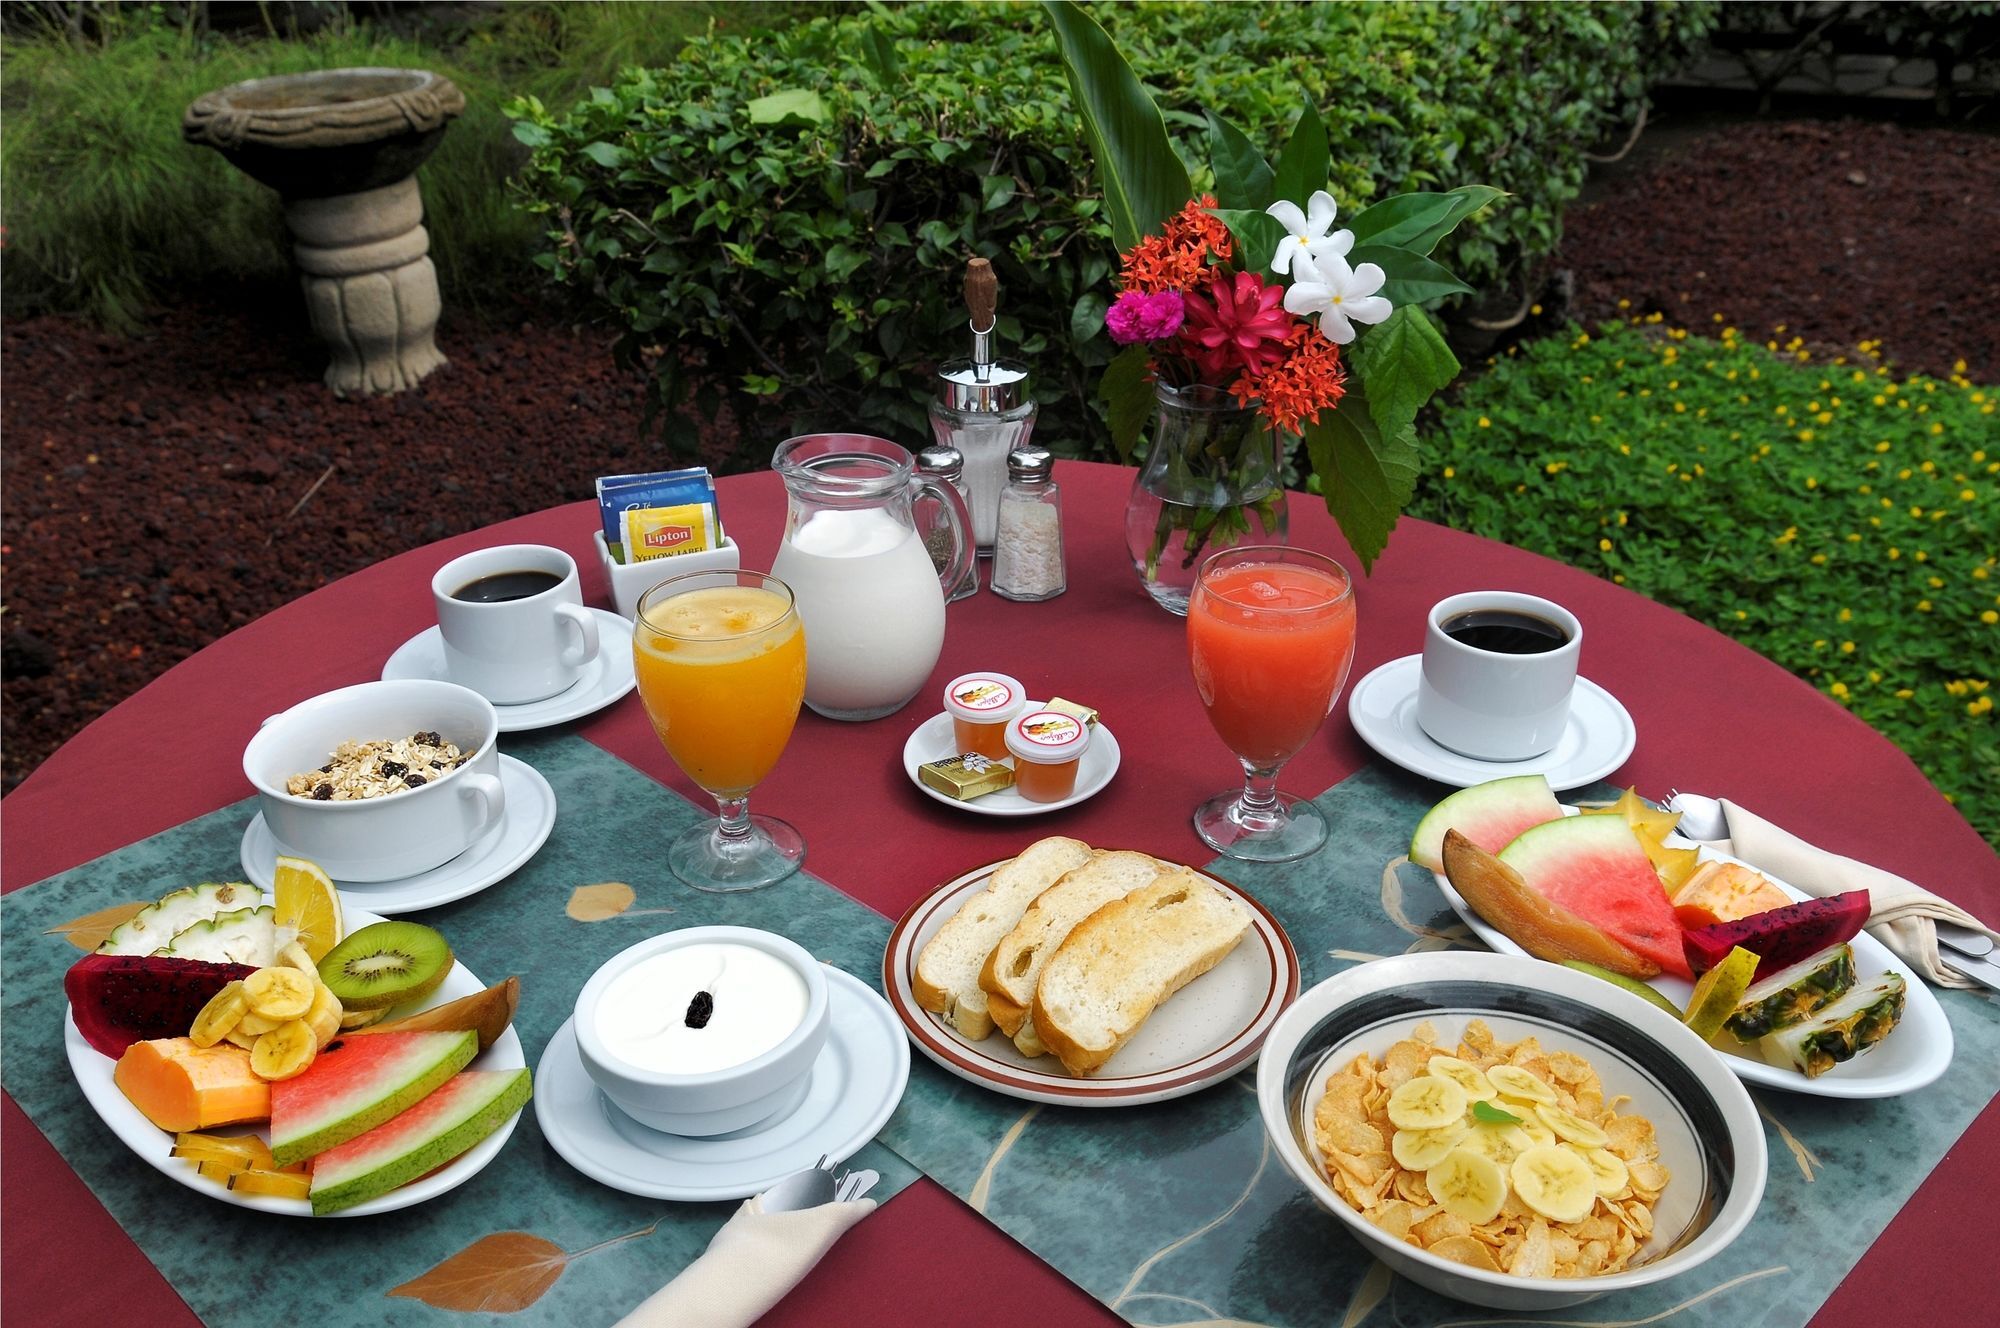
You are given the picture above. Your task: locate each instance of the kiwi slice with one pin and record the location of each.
(385, 964)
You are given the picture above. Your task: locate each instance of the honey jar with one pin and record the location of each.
(1047, 746)
(981, 706)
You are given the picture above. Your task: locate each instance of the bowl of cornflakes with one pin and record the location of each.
(1508, 1132)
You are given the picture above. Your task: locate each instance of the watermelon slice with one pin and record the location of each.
(1491, 815)
(418, 1140)
(1595, 867)
(356, 1083)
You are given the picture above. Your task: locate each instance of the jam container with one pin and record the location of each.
(1046, 746)
(980, 705)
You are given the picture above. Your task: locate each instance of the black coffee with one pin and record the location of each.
(503, 586)
(1505, 631)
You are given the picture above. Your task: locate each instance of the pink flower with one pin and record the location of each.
(1135, 316)
(1240, 326)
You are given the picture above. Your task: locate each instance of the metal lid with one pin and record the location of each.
(942, 460)
(982, 389)
(1031, 464)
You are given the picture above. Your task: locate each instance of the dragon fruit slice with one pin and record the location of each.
(1783, 936)
(117, 1000)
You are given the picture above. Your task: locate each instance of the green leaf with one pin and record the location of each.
(1256, 236)
(1366, 475)
(1243, 179)
(1304, 165)
(1086, 317)
(1128, 394)
(792, 104)
(1492, 1115)
(879, 49)
(1143, 180)
(608, 155)
(1402, 363)
(1418, 221)
(1413, 279)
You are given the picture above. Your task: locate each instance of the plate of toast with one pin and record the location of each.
(1089, 977)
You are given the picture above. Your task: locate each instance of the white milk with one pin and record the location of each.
(872, 609)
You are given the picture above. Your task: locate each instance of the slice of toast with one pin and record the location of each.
(1016, 962)
(946, 981)
(1119, 963)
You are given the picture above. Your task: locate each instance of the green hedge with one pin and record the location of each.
(794, 211)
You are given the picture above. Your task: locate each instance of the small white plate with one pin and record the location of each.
(934, 740)
(606, 677)
(1201, 1035)
(93, 1070)
(1914, 1054)
(853, 1089)
(1596, 741)
(531, 815)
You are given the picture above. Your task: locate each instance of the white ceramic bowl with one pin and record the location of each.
(1710, 1139)
(399, 834)
(716, 1101)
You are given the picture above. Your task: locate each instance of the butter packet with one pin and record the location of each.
(966, 777)
(659, 514)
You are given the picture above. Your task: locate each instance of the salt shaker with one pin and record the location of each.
(944, 462)
(1028, 547)
(982, 406)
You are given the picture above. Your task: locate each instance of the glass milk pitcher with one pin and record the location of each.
(859, 525)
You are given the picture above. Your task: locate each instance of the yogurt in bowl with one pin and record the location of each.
(704, 1030)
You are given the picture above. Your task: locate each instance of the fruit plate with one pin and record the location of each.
(155, 1146)
(1915, 1054)
(1202, 1034)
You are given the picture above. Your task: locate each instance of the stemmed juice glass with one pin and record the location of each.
(721, 661)
(1270, 639)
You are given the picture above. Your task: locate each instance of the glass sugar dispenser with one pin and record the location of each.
(1028, 546)
(982, 407)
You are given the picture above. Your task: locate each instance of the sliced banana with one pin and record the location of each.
(1420, 1150)
(1555, 1182)
(1515, 1082)
(1469, 1185)
(1502, 1143)
(361, 1018)
(236, 1037)
(256, 1025)
(1478, 1088)
(1608, 1170)
(223, 1012)
(279, 993)
(1572, 1127)
(288, 1049)
(324, 1017)
(1531, 1125)
(294, 955)
(1426, 1103)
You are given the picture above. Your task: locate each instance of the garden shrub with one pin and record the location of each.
(1836, 519)
(795, 211)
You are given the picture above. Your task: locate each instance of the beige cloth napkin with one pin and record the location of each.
(1903, 916)
(753, 1261)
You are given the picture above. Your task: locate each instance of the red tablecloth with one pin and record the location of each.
(1711, 717)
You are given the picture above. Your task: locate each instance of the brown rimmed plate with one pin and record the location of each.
(1204, 1033)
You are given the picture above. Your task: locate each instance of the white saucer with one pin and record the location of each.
(531, 814)
(1383, 706)
(934, 740)
(853, 1088)
(604, 679)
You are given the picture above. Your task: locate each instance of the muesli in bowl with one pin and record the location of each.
(361, 769)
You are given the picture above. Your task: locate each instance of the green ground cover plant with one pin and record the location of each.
(1831, 515)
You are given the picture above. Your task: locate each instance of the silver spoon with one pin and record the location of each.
(800, 1190)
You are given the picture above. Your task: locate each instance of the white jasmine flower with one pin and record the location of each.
(1339, 294)
(1307, 231)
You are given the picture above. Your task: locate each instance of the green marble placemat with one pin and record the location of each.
(1178, 1213)
(236, 1267)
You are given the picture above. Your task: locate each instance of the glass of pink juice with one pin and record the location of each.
(1270, 640)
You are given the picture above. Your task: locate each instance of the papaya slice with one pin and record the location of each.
(1545, 930)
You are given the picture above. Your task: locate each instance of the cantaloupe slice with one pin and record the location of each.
(180, 1086)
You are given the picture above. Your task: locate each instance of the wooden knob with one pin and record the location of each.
(982, 293)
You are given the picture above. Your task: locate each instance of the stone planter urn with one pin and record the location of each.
(341, 147)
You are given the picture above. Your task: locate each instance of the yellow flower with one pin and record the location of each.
(1882, 446)
(1624, 304)
(1966, 495)
(1839, 689)
(1979, 707)
(1818, 559)
(1485, 423)
(1923, 606)
(1847, 615)
(1989, 617)
(1604, 546)
(1811, 483)
(1846, 647)
(1904, 693)
(1741, 615)
(1450, 473)
(1805, 435)
(1894, 554)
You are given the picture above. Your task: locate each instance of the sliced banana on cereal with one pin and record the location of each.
(1478, 1088)
(1608, 1170)
(1502, 1143)
(1469, 1185)
(1532, 1126)
(1426, 1103)
(1572, 1128)
(1555, 1182)
(1420, 1150)
(1517, 1083)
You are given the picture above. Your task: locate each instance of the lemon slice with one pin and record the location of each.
(307, 900)
(1717, 994)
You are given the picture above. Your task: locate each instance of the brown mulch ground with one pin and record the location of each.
(144, 477)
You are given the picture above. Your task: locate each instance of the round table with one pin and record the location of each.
(1711, 716)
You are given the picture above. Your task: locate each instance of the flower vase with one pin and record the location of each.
(1210, 481)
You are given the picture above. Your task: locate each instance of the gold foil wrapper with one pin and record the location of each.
(966, 777)
(1082, 714)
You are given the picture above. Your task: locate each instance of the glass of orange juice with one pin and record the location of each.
(1270, 639)
(721, 660)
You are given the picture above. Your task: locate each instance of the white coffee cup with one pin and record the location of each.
(513, 651)
(1497, 704)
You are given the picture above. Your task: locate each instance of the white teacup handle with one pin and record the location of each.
(492, 801)
(585, 648)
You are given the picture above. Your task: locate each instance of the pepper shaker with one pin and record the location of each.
(1028, 547)
(982, 406)
(944, 462)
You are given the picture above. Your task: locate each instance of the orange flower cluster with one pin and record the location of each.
(1175, 258)
(1295, 390)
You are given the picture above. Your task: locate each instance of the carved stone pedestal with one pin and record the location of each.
(371, 289)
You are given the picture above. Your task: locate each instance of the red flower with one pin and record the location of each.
(1176, 258)
(1239, 325)
(1308, 379)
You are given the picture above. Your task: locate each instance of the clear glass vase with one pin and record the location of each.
(1210, 481)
